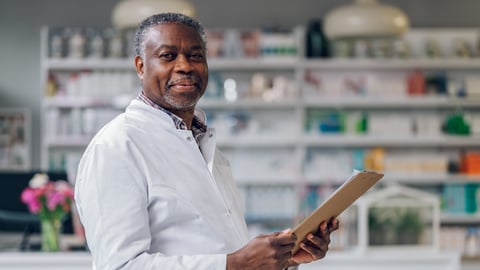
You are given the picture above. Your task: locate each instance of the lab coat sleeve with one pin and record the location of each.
(111, 196)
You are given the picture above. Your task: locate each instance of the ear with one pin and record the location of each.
(139, 66)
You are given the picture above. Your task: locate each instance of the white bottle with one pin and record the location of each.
(471, 243)
(76, 45)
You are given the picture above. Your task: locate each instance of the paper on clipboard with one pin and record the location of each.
(354, 187)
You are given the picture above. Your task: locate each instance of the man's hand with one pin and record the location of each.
(315, 246)
(266, 252)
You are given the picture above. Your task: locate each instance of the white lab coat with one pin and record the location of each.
(150, 199)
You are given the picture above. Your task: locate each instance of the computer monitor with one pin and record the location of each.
(14, 214)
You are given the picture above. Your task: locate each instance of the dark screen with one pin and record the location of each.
(11, 186)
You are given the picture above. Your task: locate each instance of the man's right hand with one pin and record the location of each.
(266, 252)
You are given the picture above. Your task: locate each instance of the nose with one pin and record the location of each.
(182, 64)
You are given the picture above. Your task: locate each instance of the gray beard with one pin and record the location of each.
(181, 106)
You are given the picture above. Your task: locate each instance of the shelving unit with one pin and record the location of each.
(15, 139)
(271, 136)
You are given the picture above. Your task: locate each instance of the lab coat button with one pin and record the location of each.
(189, 138)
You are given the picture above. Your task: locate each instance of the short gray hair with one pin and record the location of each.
(163, 18)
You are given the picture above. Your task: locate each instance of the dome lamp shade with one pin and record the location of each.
(365, 19)
(128, 13)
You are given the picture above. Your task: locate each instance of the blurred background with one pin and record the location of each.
(301, 93)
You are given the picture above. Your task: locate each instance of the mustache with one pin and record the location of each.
(184, 78)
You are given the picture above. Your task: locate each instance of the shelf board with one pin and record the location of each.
(119, 102)
(404, 102)
(256, 141)
(391, 64)
(413, 179)
(388, 141)
(286, 63)
(89, 64)
(432, 179)
(249, 64)
(445, 219)
(460, 219)
(314, 102)
(273, 179)
(331, 141)
(217, 103)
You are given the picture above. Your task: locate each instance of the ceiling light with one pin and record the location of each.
(365, 19)
(128, 13)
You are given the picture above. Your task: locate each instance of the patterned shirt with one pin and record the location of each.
(198, 127)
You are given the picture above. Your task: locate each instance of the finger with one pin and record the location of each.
(286, 231)
(315, 252)
(323, 234)
(282, 239)
(323, 229)
(318, 242)
(334, 224)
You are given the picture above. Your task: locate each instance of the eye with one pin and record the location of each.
(197, 56)
(168, 56)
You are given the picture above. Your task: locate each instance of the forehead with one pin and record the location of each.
(173, 34)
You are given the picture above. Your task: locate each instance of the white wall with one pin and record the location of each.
(20, 22)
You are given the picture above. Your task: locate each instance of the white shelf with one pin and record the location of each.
(286, 63)
(213, 103)
(273, 179)
(89, 64)
(392, 64)
(296, 140)
(412, 179)
(330, 141)
(460, 219)
(316, 102)
(390, 141)
(256, 141)
(119, 102)
(433, 179)
(405, 102)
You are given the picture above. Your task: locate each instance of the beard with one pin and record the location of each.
(186, 102)
(183, 101)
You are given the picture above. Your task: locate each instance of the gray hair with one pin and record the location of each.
(163, 18)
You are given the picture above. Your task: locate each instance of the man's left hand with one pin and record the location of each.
(315, 245)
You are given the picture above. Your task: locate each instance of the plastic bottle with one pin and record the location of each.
(316, 43)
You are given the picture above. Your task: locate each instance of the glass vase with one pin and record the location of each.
(51, 229)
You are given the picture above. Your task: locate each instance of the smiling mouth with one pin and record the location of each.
(184, 84)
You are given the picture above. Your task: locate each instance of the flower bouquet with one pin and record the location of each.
(51, 201)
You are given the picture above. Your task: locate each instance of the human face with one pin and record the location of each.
(173, 71)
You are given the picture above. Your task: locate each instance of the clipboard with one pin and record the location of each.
(354, 187)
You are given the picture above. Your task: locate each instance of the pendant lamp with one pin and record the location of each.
(128, 13)
(365, 19)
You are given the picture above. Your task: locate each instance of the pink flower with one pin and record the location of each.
(46, 198)
(29, 197)
(54, 199)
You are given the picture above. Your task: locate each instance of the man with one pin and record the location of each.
(152, 190)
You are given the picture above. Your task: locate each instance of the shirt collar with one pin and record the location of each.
(198, 126)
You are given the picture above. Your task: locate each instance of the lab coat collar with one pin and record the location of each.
(207, 143)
